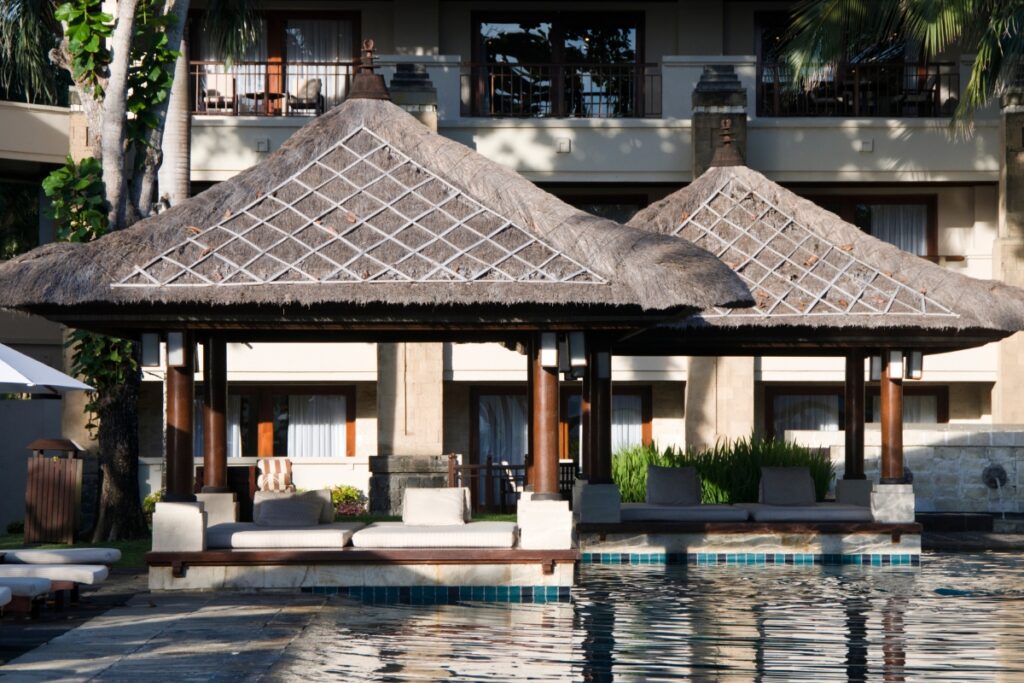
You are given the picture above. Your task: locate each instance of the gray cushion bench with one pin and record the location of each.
(647, 512)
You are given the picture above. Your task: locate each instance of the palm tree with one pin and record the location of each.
(827, 31)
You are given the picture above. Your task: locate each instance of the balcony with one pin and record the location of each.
(586, 91)
(861, 90)
(274, 88)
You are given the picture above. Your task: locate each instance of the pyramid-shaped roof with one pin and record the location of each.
(366, 206)
(808, 268)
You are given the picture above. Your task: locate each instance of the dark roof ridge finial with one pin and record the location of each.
(366, 84)
(726, 154)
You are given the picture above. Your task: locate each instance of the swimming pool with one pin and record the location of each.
(954, 618)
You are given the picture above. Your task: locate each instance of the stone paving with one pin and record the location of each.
(175, 637)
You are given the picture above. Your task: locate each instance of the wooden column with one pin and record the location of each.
(180, 391)
(586, 451)
(597, 425)
(854, 410)
(892, 422)
(531, 471)
(215, 405)
(544, 440)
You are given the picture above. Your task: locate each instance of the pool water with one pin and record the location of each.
(955, 618)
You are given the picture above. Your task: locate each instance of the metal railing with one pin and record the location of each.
(886, 89)
(495, 486)
(279, 88)
(593, 91)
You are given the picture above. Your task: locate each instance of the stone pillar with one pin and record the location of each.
(412, 90)
(409, 399)
(544, 441)
(180, 415)
(215, 403)
(854, 413)
(891, 390)
(1008, 266)
(719, 103)
(597, 420)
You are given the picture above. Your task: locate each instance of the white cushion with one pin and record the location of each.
(472, 535)
(5, 595)
(644, 512)
(786, 486)
(25, 586)
(323, 495)
(246, 535)
(434, 507)
(673, 485)
(294, 512)
(818, 512)
(62, 556)
(76, 573)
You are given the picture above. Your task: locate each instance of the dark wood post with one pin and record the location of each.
(586, 452)
(597, 429)
(892, 422)
(180, 396)
(544, 443)
(529, 474)
(215, 405)
(854, 409)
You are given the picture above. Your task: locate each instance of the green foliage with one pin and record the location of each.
(28, 31)
(102, 362)
(348, 500)
(149, 504)
(87, 29)
(19, 218)
(76, 200)
(729, 471)
(152, 72)
(16, 527)
(233, 27)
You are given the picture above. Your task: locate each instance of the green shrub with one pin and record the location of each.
(348, 500)
(729, 471)
(149, 504)
(16, 527)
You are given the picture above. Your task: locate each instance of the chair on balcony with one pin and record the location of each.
(219, 92)
(923, 100)
(307, 97)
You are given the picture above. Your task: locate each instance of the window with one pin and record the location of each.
(559, 64)
(297, 422)
(619, 208)
(817, 409)
(19, 218)
(921, 405)
(631, 420)
(501, 426)
(908, 222)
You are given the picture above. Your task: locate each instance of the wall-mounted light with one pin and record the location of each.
(549, 350)
(577, 350)
(875, 373)
(914, 365)
(895, 364)
(150, 350)
(175, 349)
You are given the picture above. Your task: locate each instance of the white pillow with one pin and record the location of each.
(434, 507)
(679, 486)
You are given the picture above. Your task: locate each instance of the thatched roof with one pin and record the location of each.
(809, 269)
(365, 206)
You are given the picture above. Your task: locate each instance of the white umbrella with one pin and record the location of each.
(21, 374)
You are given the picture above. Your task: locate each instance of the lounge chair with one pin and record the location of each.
(5, 596)
(24, 594)
(436, 518)
(284, 520)
(275, 475)
(786, 494)
(673, 495)
(219, 93)
(307, 97)
(107, 556)
(77, 574)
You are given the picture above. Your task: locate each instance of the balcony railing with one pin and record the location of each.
(593, 91)
(867, 89)
(268, 88)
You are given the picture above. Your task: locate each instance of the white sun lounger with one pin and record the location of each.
(89, 574)
(472, 535)
(25, 593)
(107, 556)
(5, 595)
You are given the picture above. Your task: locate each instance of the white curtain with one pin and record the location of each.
(247, 76)
(234, 426)
(319, 49)
(627, 421)
(317, 426)
(817, 412)
(916, 409)
(503, 428)
(904, 225)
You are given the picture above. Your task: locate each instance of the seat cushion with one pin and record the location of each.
(673, 485)
(323, 495)
(786, 486)
(472, 535)
(434, 507)
(818, 512)
(645, 512)
(249, 536)
(293, 512)
(62, 556)
(76, 573)
(25, 586)
(5, 595)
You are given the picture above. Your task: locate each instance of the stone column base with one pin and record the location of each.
(220, 508)
(892, 503)
(179, 527)
(596, 503)
(854, 491)
(544, 524)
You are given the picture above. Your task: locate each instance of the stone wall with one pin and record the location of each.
(946, 463)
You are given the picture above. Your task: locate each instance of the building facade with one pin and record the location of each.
(594, 102)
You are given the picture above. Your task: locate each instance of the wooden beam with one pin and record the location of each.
(544, 443)
(854, 415)
(891, 390)
(215, 402)
(180, 408)
(597, 428)
(398, 556)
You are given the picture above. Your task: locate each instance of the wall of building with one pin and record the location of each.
(21, 422)
(33, 132)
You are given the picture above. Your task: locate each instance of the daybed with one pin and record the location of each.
(88, 574)
(107, 556)
(284, 520)
(25, 593)
(786, 494)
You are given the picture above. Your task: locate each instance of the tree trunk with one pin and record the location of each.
(120, 514)
(115, 113)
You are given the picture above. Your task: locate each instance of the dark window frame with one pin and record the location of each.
(644, 391)
(847, 205)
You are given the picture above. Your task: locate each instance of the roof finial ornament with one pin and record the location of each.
(367, 85)
(726, 154)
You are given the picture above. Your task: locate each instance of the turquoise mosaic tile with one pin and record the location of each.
(876, 560)
(440, 595)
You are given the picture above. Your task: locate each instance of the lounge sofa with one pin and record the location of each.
(285, 520)
(436, 518)
(24, 594)
(673, 495)
(786, 494)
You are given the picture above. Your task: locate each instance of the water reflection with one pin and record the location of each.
(957, 618)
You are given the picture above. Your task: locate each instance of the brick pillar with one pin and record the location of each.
(1008, 266)
(412, 90)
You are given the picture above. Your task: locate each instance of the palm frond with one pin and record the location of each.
(233, 27)
(28, 31)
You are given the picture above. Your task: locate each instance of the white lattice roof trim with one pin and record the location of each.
(362, 211)
(791, 270)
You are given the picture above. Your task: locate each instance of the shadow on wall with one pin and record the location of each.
(22, 422)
